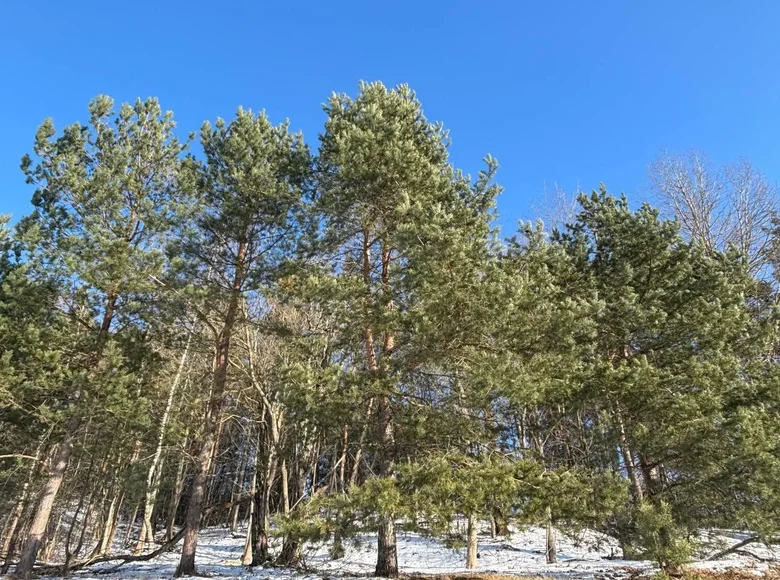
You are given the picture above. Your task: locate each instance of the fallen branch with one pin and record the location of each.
(752, 555)
(732, 549)
(21, 456)
(125, 558)
(737, 548)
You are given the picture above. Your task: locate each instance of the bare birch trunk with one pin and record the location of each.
(154, 474)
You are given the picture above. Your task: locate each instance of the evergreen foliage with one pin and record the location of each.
(331, 343)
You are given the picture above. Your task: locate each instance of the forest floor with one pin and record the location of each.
(589, 556)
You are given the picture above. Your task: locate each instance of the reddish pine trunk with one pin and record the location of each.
(199, 487)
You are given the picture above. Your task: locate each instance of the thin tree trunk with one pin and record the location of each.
(471, 548)
(262, 524)
(247, 557)
(238, 489)
(154, 475)
(52, 542)
(285, 488)
(500, 522)
(353, 478)
(130, 524)
(80, 543)
(212, 472)
(178, 489)
(12, 528)
(551, 549)
(57, 474)
(387, 552)
(628, 461)
(314, 462)
(343, 458)
(111, 520)
(74, 521)
(291, 553)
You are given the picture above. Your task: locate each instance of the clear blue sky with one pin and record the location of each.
(576, 92)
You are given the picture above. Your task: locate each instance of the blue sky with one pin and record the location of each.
(575, 92)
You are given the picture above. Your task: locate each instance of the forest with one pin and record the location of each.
(306, 341)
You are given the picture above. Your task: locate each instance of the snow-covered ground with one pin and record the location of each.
(590, 556)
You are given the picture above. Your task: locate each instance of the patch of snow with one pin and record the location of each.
(588, 556)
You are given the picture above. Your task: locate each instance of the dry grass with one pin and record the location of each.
(632, 574)
(773, 573)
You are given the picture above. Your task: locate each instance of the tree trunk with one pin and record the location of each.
(186, 565)
(551, 551)
(291, 553)
(387, 554)
(110, 527)
(130, 524)
(343, 458)
(285, 488)
(628, 460)
(238, 489)
(154, 474)
(500, 523)
(52, 542)
(46, 502)
(212, 473)
(195, 507)
(290, 556)
(262, 522)
(178, 489)
(247, 557)
(471, 548)
(83, 533)
(57, 474)
(12, 528)
(353, 478)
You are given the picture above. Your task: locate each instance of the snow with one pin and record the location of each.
(713, 541)
(590, 556)
(520, 554)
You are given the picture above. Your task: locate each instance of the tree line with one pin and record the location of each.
(319, 344)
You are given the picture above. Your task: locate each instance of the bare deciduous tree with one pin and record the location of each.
(557, 208)
(718, 207)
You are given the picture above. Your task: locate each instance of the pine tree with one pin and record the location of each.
(675, 350)
(103, 201)
(397, 221)
(250, 190)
